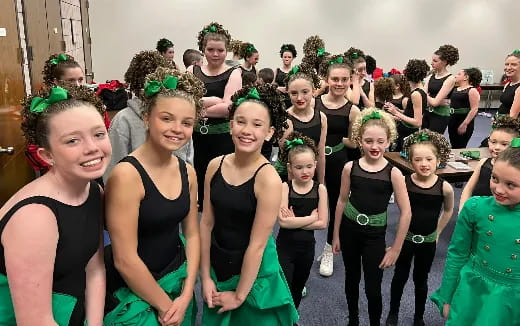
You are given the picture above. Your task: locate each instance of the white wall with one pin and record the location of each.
(393, 31)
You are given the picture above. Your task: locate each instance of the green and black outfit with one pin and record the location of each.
(436, 118)
(404, 129)
(460, 108)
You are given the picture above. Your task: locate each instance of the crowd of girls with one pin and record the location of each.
(55, 269)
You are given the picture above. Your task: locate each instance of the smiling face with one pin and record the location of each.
(374, 141)
(505, 183)
(300, 93)
(287, 58)
(498, 141)
(424, 160)
(302, 165)
(215, 52)
(512, 66)
(250, 126)
(338, 80)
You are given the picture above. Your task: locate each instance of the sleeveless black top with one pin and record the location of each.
(398, 102)
(460, 99)
(370, 191)
(435, 85)
(482, 186)
(366, 90)
(280, 78)
(426, 204)
(253, 70)
(337, 121)
(507, 97)
(311, 128)
(303, 205)
(408, 111)
(79, 236)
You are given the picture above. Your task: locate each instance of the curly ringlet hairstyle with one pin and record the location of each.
(384, 89)
(35, 126)
(330, 62)
(219, 34)
(288, 48)
(386, 122)
(371, 64)
(507, 124)
(440, 145)
(308, 146)
(510, 155)
(474, 76)
(189, 88)
(448, 53)
(310, 51)
(234, 46)
(402, 82)
(272, 99)
(163, 45)
(305, 72)
(142, 64)
(54, 72)
(246, 50)
(355, 55)
(416, 70)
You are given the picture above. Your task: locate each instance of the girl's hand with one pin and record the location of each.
(446, 310)
(228, 300)
(175, 315)
(390, 258)
(391, 108)
(286, 213)
(461, 130)
(208, 291)
(336, 246)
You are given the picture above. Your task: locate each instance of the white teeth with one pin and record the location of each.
(91, 163)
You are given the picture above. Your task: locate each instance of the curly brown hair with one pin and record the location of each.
(163, 45)
(474, 76)
(214, 32)
(288, 48)
(416, 70)
(246, 50)
(402, 82)
(142, 64)
(386, 122)
(272, 99)
(311, 48)
(303, 71)
(384, 89)
(234, 46)
(332, 62)
(355, 55)
(35, 126)
(448, 53)
(53, 72)
(440, 145)
(308, 145)
(507, 124)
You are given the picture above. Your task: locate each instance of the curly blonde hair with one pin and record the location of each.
(213, 32)
(384, 121)
(440, 145)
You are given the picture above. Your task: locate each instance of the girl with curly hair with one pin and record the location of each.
(287, 53)
(249, 53)
(430, 197)
(361, 213)
(234, 48)
(165, 48)
(510, 98)
(151, 268)
(211, 137)
(51, 229)
(439, 87)
(401, 94)
(62, 68)
(362, 90)
(383, 91)
(242, 281)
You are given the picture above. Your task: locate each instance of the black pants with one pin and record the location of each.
(422, 255)
(334, 164)
(363, 246)
(435, 122)
(296, 260)
(456, 140)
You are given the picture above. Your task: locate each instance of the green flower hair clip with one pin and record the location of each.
(211, 29)
(251, 95)
(338, 60)
(154, 86)
(293, 143)
(60, 58)
(294, 71)
(40, 104)
(320, 52)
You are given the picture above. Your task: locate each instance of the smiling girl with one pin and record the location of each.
(510, 98)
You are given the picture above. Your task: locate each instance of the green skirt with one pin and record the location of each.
(134, 311)
(269, 302)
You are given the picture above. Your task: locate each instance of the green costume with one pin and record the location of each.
(481, 278)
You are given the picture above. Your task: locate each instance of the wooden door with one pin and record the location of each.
(14, 170)
(86, 41)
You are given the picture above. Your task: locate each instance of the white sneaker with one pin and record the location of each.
(327, 261)
(392, 199)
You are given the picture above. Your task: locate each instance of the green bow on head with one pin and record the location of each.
(515, 143)
(421, 137)
(167, 44)
(294, 71)
(320, 52)
(373, 115)
(60, 58)
(516, 51)
(252, 95)
(338, 60)
(211, 29)
(285, 48)
(293, 143)
(354, 56)
(39, 104)
(250, 48)
(154, 86)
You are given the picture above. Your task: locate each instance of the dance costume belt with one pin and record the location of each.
(460, 110)
(220, 128)
(417, 238)
(330, 150)
(408, 125)
(362, 219)
(442, 110)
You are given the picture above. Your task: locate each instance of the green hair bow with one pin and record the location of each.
(40, 104)
(293, 143)
(373, 115)
(515, 143)
(421, 137)
(211, 29)
(294, 71)
(517, 51)
(250, 48)
(285, 48)
(354, 56)
(154, 86)
(252, 95)
(320, 52)
(338, 60)
(60, 58)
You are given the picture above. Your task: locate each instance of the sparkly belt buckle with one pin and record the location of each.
(430, 109)
(204, 129)
(417, 238)
(362, 219)
(328, 150)
(452, 110)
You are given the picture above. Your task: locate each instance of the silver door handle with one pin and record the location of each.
(7, 150)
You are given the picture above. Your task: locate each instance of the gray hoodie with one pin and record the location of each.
(127, 132)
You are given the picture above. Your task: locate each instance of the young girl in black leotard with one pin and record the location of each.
(362, 90)
(51, 253)
(287, 53)
(242, 281)
(249, 53)
(430, 196)
(402, 91)
(151, 270)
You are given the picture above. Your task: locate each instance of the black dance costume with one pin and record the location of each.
(460, 107)
(296, 246)
(482, 185)
(280, 81)
(436, 118)
(212, 139)
(404, 129)
(244, 70)
(398, 102)
(79, 230)
(507, 98)
(366, 89)
(420, 244)
(362, 238)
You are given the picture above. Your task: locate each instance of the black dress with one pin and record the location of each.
(482, 186)
(460, 109)
(507, 97)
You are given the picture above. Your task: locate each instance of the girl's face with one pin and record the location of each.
(300, 92)
(338, 81)
(253, 59)
(215, 52)
(170, 123)
(74, 76)
(169, 53)
(505, 183)
(424, 161)
(287, 58)
(461, 76)
(79, 147)
(498, 141)
(302, 166)
(250, 126)
(361, 68)
(374, 142)
(437, 63)
(512, 66)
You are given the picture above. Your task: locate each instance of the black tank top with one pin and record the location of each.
(253, 70)
(280, 78)
(408, 111)
(337, 121)
(426, 204)
(507, 97)
(482, 186)
(366, 90)
(460, 99)
(79, 237)
(398, 102)
(435, 85)
(370, 191)
(303, 205)
(311, 128)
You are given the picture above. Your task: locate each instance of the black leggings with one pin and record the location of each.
(334, 164)
(456, 140)
(435, 122)
(402, 133)
(296, 260)
(363, 245)
(423, 255)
